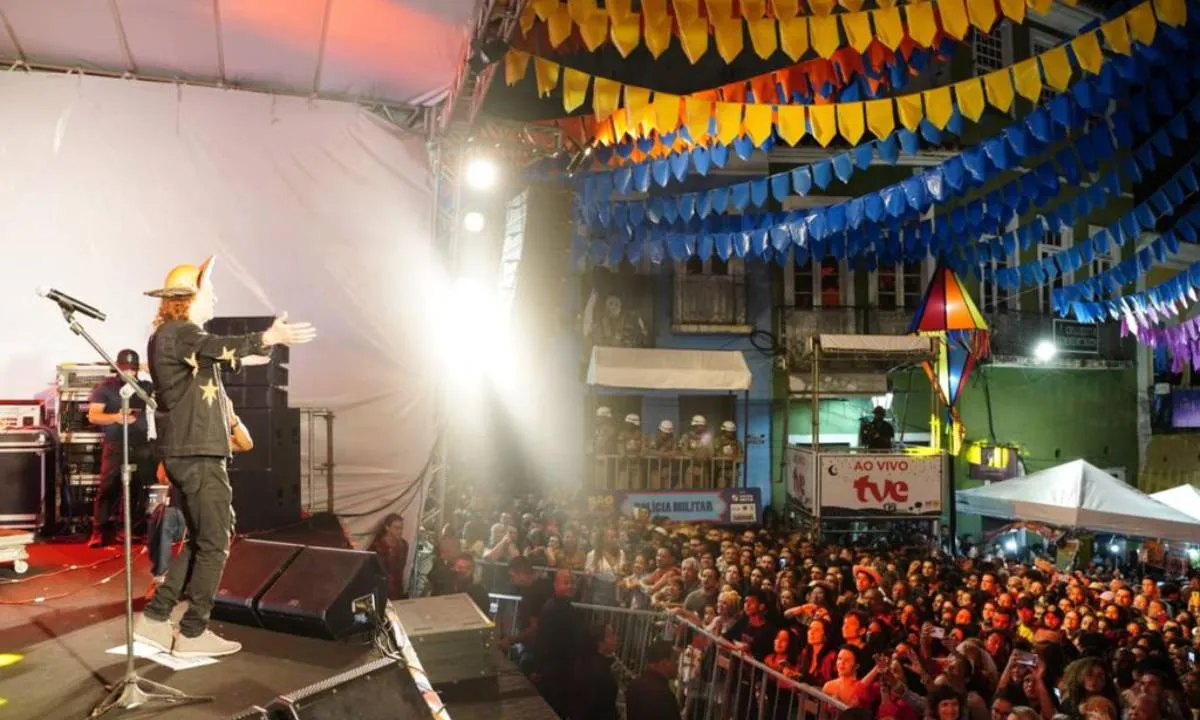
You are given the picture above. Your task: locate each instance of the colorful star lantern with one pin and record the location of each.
(948, 313)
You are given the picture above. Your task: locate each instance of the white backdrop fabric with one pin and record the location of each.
(315, 208)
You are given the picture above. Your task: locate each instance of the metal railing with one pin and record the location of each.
(663, 472)
(716, 681)
(709, 300)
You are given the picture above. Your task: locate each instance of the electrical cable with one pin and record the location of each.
(770, 348)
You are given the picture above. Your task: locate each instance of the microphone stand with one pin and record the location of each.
(131, 691)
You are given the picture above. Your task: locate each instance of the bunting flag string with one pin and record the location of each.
(1146, 308)
(645, 112)
(778, 27)
(1183, 341)
(1024, 138)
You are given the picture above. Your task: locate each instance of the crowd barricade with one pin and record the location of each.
(664, 472)
(493, 577)
(716, 681)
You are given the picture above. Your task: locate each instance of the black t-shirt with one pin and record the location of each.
(108, 393)
(760, 640)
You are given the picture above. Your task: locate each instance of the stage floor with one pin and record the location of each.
(58, 667)
(62, 667)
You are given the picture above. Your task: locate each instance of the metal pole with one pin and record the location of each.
(746, 438)
(816, 430)
(328, 415)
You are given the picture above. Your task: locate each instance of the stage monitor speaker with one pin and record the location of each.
(326, 593)
(383, 689)
(251, 713)
(252, 568)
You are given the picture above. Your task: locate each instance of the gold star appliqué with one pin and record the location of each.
(191, 362)
(210, 392)
(227, 355)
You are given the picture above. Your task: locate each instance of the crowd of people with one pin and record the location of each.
(891, 628)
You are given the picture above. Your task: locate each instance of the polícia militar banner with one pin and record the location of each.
(728, 506)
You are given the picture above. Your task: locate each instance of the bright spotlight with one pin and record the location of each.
(473, 221)
(1193, 554)
(1114, 548)
(1045, 351)
(1010, 545)
(481, 173)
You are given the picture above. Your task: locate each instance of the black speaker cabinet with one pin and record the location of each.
(326, 593)
(380, 690)
(265, 499)
(252, 568)
(276, 436)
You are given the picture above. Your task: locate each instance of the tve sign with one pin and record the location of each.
(874, 485)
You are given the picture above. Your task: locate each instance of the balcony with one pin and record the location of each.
(663, 472)
(1014, 335)
(709, 303)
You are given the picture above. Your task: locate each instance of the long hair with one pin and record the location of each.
(176, 308)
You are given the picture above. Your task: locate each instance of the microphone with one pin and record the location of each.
(70, 304)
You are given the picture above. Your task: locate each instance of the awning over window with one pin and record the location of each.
(894, 345)
(658, 369)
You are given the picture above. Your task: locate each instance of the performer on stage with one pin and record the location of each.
(194, 440)
(104, 411)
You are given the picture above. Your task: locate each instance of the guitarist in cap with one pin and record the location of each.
(194, 441)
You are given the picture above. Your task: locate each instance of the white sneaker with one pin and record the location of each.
(206, 644)
(158, 634)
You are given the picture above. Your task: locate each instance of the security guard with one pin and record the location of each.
(194, 439)
(104, 411)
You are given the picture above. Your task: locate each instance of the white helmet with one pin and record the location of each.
(603, 412)
(728, 426)
(666, 426)
(633, 419)
(698, 421)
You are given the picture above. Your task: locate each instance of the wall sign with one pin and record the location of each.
(879, 485)
(734, 506)
(1076, 338)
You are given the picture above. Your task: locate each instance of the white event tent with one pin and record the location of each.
(266, 146)
(1184, 498)
(1080, 495)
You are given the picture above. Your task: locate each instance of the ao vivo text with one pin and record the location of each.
(891, 491)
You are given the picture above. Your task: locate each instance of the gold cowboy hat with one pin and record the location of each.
(185, 280)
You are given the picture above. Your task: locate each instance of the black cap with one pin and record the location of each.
(128, 359)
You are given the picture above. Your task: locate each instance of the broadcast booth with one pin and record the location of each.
(672, 484)
(844, 487)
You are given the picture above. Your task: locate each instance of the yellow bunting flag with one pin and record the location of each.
(626, 33)
(693, 37)
(793, 37)
(687, 10)
(558, 25)
(938, 107)
(922, 24)
(1171, 12)
(851, 5)
(544, 8)
(666, 111)
(527, 19)
(697, 112)
(729, 122)
(823, 119)
(546, 73)
(758, 123)
(620, 123)
(728, 34)
(970, 98)
(594, 29)
(821, 7)
(1087, 51)
(954, 18)
(999, 89)
(785, 8)
(1057, 67)
(719, 9)
(637, 101)
(850, 121)
(825, 36)
(1028, 79)
(1116, 34)
(605, 94)
(858, 30)
(1041, 7)
(574, 88)
(753, 9)
(763, 37)
(982, 14)
(1013, 10)
(791, 123)
(1142, 23)
(658, 35)
(516, 64)
(908, 107)
(880, 118)
(889, 29)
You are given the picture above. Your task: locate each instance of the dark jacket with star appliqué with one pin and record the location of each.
(193, 409)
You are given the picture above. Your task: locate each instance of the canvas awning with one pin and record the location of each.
(913, 346)
(659, 369)
(1080, 495)
(1184, 498)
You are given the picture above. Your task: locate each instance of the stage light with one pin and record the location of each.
(1193, 554)
(1045, 351)
(481, 173)
(473, 221)
(1114, 548)
(1010, 545)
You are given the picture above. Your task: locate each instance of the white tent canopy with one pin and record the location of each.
(1080, 495)
(1184, 498)
(659, 369)
(390, 51)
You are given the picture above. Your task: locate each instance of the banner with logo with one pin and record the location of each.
(728, 506)
(801, 480)
(877, 485)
